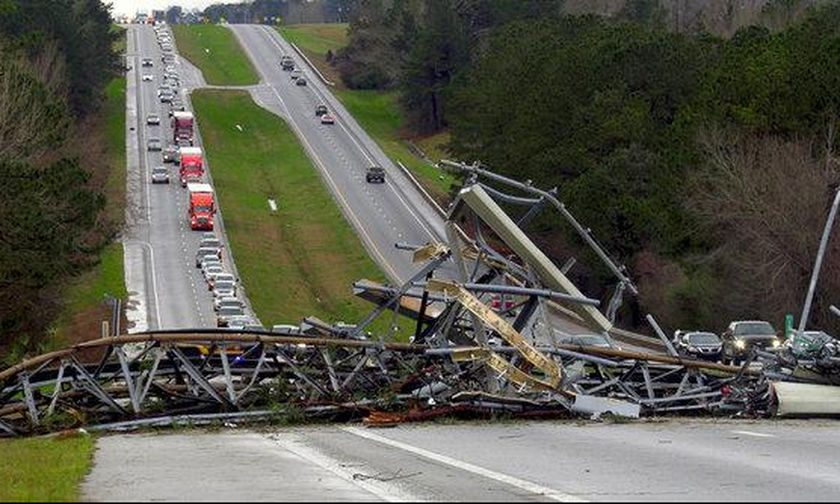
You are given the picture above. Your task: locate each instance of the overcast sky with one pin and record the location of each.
(130, 7)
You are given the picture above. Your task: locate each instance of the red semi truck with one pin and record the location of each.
(202, 206)
(192, 164)
(182, 126)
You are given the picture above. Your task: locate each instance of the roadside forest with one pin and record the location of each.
(56, 56)
(705, 163)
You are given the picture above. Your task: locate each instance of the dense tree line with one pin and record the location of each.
(705, 163)
(258, 11)
(56, 57)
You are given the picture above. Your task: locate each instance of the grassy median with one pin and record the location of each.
(376, 111)
(302, 259)
(216, 52)
(44, 470)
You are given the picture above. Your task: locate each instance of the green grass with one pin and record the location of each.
(107, 277)
(46, 470)
(301, 260)
(379, 114)
(114, 110)
(225, 64)
(89, 288)
(318, 38)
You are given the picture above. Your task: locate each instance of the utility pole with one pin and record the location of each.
(809, 298)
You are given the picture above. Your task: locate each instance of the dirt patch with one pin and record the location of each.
(86, 325)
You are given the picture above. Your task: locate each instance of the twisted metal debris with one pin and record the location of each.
(465, 356)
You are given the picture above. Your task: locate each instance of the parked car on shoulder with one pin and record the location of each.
(742, 336)
(698, 344)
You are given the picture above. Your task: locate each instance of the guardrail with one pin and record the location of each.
(311, 65)
(422, 189)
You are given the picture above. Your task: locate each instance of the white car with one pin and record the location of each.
(148, 77)
(221, 277)
(212, 270)
(221, 302)
(210, 261)
(224, 288)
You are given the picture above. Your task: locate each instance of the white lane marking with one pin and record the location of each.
(154, 283)
(385, 491)
(513, 481)
(329, 178)
(754, 434)
(358, 146)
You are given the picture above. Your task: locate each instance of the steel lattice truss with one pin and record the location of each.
(482, 342)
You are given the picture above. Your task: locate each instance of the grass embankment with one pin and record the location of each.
(315, 40)
(216, 52)
(45, 470)
(301, 260)
(83, 295)
(377, 112)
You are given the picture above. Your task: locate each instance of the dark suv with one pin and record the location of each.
(744, 335)
(320, 110)
(375, 174)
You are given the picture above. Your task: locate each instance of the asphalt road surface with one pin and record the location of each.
(382, 214)
(546, 461)
(166, 290)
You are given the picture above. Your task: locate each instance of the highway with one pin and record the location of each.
(689, 460)
(165, 288)
(382, 214)
(524, 461)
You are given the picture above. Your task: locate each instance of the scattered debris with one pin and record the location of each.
(485, 343)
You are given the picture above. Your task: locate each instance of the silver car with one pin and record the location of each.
(154, 144)
(221, 302)
(220, 277)
(224, 288)
(160, 175)
(170, 154)
(222, 318)
(212, 270)
(211, 242)
(203, 252)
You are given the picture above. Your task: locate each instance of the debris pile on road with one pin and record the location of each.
(494, 333)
